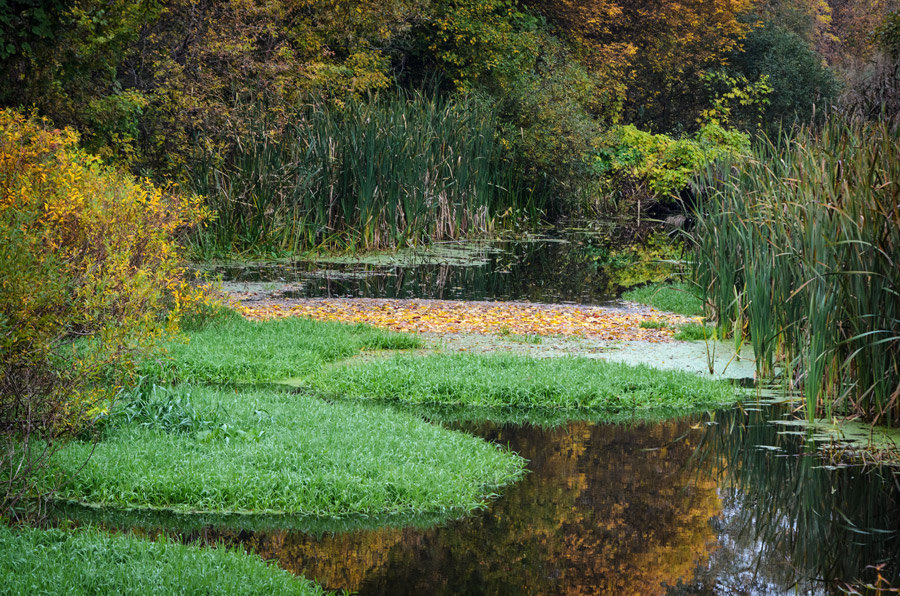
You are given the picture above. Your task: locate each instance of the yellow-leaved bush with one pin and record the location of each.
(90, 277)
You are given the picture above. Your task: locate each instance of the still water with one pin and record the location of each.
(721, 503)
(570, 266)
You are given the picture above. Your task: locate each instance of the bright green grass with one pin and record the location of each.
(671, 297)
(504, 380)
(274, 451)
(89, 562)
(695, 332)
(231, 349)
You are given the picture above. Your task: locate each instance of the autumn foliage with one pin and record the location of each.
(90, 278)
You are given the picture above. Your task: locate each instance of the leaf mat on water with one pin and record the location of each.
(445, 316)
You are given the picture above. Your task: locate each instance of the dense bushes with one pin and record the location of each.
(88, 254)
(643, 168)
(798, 248)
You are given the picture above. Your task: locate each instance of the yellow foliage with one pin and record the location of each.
(90, 254)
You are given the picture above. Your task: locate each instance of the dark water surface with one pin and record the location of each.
(714, 504)
(568, 267)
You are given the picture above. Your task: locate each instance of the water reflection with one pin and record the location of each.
(791, 515)
(606, 509)
(580, 268)
(726, 503)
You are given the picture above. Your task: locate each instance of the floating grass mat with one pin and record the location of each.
(574, 385)
(231, 349)
(192, 449)
(36, 561)
(677, 297)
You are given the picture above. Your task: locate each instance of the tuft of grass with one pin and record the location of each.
(505, 380)
(695, 332)
(36, 561)
(232, 349)
(276, 452)
(679, 298)
(654, 324)
(525, 338)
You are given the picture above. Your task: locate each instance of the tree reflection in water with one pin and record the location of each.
(605, 509)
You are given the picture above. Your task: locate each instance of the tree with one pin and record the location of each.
(800, 81)
(657, 46)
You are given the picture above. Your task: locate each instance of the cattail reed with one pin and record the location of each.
(798, 249)
(376, 173)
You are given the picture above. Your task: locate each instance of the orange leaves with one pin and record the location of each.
(443, 316)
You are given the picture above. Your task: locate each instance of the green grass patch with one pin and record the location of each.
(231, 349)
(276, 452)
(90, 562)
(671, 297)
(695, 332)
(654, 324)
(505, 380)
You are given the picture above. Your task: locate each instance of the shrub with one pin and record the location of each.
(651, 168)
(88, 254)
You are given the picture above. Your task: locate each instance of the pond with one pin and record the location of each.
(725, 502)
(567, 266)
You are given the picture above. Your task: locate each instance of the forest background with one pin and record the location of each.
(601, 107)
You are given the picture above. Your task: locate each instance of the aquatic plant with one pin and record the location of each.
(274, 451)
(384, 172)
(677, 297)
(798, 248)
(232, 349)
(576, 384)
(34, 561)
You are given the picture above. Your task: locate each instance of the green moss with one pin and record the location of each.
(89, 562)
